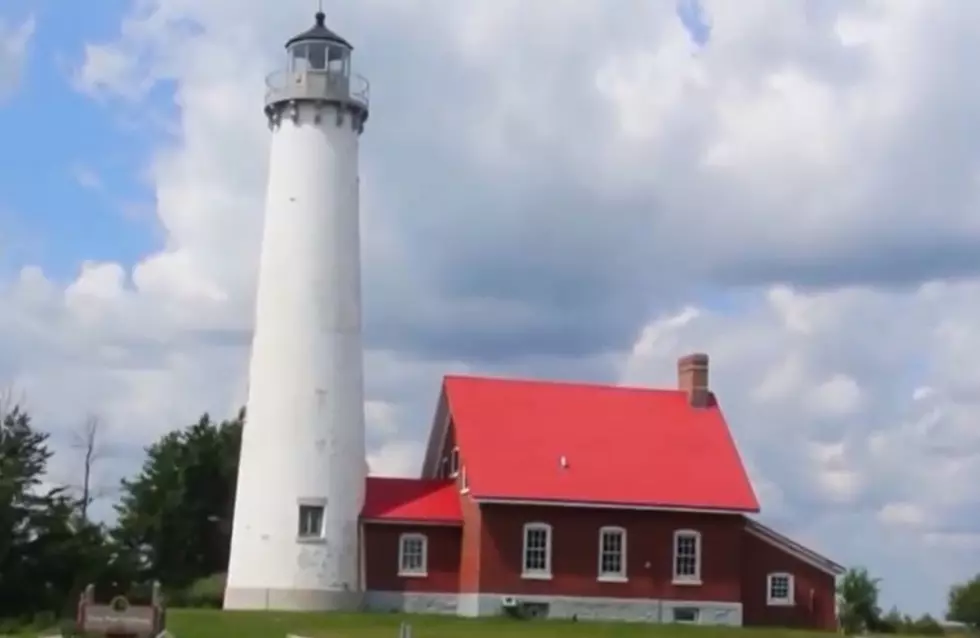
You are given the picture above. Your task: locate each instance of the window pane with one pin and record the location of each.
(317, 55)
(686, 555)
(685, 614)
(536, 549)
(412, 554)
(779, 587)
(611, 558)
(310, 520)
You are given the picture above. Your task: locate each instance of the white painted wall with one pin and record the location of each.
(304, 435)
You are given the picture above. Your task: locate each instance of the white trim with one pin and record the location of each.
(464, 484)
(612, 577)
(483, 500)
(413, 573)
(454, 462)
(686, 579)
(411, 522)
(790, 598)
(794, 549)
(537, 574)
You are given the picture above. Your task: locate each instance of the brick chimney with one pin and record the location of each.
(692, 378)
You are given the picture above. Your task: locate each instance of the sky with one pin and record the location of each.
(581, 190)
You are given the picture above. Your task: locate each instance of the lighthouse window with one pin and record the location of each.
(298, 59)
(311, 519)
(317, 55)
(337, 61)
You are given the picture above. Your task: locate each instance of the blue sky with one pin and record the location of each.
(56, 140)
(73, 189)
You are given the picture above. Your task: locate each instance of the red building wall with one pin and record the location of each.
(575, 545)
(381, 558)
(470, 559)
(814, 589)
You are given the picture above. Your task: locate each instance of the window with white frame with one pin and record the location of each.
(779, 589)
(537, 551)
(454, 462)
(687, 556)
(612, 553)
(412, 555)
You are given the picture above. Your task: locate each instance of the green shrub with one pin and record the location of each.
(206, 593)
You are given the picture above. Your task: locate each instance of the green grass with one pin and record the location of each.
(218, 624)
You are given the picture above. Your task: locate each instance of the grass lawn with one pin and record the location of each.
(223, 624)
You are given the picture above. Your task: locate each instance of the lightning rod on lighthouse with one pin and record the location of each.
(302, 469)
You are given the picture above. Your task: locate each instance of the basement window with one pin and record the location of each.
(454, 462)
(687, 615)
(537, 551)
(779, 589)
(687, 557)
(311, 520)
(612, 554)
(413, 555)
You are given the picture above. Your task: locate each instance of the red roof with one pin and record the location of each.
(622, 446)
(412, 501)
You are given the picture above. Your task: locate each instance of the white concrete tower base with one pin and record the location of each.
(302, 467)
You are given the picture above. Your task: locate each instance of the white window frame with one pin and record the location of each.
(536, 574)
(413, 572)
(464, 484)
(319, 504)
(790, 598)
(454, 462)
(609, 576)
(687, 579)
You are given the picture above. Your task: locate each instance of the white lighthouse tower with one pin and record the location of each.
(302, 471)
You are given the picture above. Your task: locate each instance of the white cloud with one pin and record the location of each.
(14, 46)
(86, 177)
(906, 457)
(548, 190)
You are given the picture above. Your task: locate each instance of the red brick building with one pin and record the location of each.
(595, 502)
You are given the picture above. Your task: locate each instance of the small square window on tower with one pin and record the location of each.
(311, 521)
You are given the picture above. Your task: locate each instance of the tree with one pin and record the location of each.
(46, 551)
(858, 596)
(175, 516)
(924, 625)
(964, 603)
(88, 440)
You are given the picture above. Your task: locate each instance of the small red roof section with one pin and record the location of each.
(525, 440)
(401, 500)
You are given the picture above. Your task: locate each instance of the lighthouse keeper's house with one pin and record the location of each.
(586, 501)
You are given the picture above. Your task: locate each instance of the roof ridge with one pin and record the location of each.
(557, 382)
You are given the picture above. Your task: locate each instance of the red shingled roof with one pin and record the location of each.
(623, 446)
(412, 501)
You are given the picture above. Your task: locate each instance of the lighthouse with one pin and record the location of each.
(302, 469)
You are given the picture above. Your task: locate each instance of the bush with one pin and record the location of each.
(206, 593)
